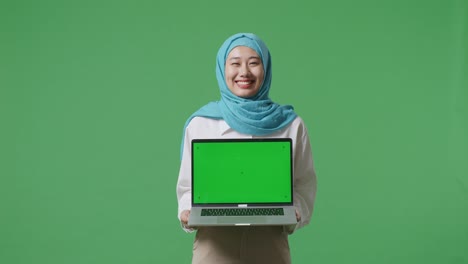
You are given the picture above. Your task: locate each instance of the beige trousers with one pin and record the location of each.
(241, 245)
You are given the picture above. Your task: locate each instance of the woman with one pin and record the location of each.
(245, 110)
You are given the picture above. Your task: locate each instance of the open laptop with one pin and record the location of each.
(242, 182)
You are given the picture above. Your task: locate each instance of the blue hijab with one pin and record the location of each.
(257, 115)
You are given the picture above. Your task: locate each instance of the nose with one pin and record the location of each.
(244, 70)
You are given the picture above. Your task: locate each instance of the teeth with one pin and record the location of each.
(243, 82)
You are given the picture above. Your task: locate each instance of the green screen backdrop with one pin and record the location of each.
(94, 95)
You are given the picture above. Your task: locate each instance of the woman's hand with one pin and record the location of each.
(184, 217)
(298, 216)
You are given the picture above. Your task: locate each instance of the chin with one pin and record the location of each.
(243, 93)
(246, 95)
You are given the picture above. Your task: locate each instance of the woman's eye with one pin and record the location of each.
(235, 64)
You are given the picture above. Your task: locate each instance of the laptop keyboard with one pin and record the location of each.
(242, 211)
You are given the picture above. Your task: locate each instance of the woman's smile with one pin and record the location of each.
(244, 84)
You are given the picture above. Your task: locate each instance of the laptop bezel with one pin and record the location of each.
(214, 140)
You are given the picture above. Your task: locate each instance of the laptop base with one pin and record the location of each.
(195, 219)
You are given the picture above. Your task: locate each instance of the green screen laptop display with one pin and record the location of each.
(242, 171)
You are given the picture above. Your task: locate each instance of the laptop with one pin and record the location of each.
(242, 182)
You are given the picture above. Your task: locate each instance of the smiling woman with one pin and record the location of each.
(245, 110)
(244, 72)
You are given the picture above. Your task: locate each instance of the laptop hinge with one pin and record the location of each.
(241, 205)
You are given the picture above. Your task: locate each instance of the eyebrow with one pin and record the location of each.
(251, 57)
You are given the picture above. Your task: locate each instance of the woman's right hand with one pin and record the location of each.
(184, 217)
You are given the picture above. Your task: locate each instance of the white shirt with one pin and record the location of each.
(305, 182)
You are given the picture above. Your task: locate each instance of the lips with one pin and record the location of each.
(244, 84)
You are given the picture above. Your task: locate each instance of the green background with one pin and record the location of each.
(94, 95)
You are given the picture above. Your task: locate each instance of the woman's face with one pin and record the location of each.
(244, 72)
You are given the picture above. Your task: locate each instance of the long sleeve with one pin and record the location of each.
(305, 180)
(183, 189)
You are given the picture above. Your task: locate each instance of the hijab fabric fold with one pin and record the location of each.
(257, 115)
